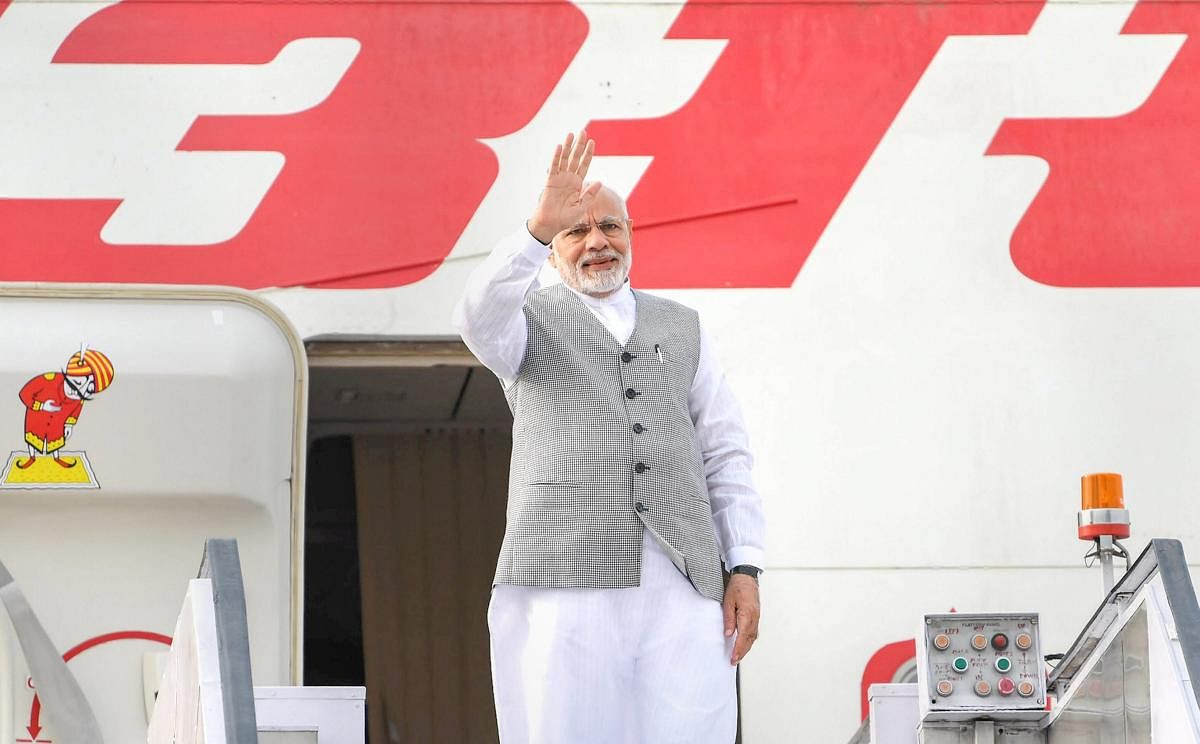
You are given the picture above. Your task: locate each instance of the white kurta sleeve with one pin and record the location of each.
(490, 315)
(724, 446)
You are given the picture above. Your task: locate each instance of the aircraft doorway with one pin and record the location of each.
(408, 456)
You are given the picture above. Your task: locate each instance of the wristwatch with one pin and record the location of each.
(745, 568)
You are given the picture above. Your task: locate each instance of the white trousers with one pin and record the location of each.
(645, 665)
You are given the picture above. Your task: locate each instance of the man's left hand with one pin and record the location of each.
(741, 614)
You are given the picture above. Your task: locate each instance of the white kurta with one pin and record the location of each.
(645, 664)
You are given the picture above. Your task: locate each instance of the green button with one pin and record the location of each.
(960, 664)
(1003, 664)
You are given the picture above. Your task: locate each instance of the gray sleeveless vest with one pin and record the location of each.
(603, 448)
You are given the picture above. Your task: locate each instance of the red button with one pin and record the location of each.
(999, 641)
(1006, 686)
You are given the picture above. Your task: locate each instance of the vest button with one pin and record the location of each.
(638, 428)
(641, 467)
(640, 506)
(631, 393)
(626, 357)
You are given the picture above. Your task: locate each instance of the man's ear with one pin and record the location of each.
(553, 257)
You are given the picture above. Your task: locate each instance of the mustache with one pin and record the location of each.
(597, 257)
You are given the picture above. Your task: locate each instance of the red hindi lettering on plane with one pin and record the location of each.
(1118, 208)
(383, 175)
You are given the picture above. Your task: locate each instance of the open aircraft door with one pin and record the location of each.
(135, 422)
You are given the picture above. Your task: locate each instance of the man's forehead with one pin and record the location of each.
(607, 204)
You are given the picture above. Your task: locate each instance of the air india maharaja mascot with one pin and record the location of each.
(53, 402)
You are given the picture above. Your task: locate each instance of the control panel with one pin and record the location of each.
(971, 664)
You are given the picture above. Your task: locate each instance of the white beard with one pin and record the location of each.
(597, 283)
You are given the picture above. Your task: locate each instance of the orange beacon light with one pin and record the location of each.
(1103, 511)
(1103, 519)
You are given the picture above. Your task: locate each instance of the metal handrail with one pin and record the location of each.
(223, 566)
(1161, 557)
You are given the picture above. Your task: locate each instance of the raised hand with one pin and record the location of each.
(564, 199)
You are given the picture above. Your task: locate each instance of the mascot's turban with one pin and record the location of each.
(91, 362)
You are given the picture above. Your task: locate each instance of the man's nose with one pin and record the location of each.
(596, 239)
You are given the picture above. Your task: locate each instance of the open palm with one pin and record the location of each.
(564, 200)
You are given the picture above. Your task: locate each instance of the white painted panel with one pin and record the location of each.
(193, 439)
(333, 715)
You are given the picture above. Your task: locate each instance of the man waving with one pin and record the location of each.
(612, 618)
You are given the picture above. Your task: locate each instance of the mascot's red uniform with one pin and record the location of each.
(45, 431)
(53, 402)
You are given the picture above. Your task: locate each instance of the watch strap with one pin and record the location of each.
(745, 568)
